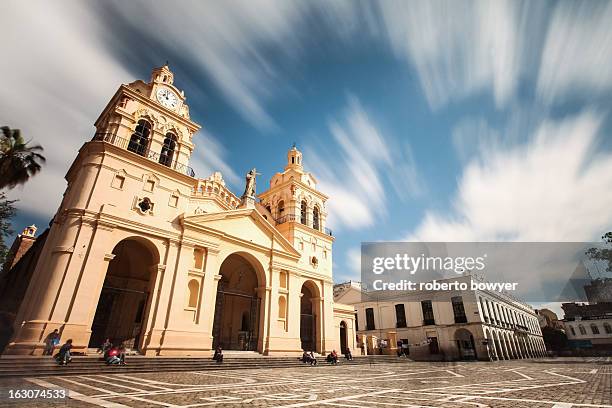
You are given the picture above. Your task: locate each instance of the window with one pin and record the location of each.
(428, 315)
(173, 200)
(572, 330)
(400, 315)
(458, 309)
(140, 138)
(282, 307)
(192, 293)
(149, 185)
(282, 276)
(281, 209)
(145, 205)
(315, 218)
(118, 182)
(303, 208)
(582, 329)
(356, 323)
(607, 328)
(370, 319)
(594, 328)
(198, 258)
(167, 152)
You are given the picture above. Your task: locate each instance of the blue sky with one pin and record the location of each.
(441, 121)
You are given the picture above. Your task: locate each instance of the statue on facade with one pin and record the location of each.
(251, 182)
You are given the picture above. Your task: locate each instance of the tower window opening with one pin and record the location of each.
(281, 209)
(139, 141)
(303, 212)
(167, 152)
(315, 218)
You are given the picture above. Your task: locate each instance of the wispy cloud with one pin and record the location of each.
(354, 174)
(227, 41)
(577, 55)
(212, 158)
(551, 188)
(461, 47)
(48, 47)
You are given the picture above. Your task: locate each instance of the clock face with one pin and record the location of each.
(167, 98)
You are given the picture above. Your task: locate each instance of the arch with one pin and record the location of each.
(316, 218)
(167, 152)
(238, 299)
(489, 342)
(280, 210)
(139, 141)
(193, 291)
(512, 346)
(343, 337)
(124, 301)
(464, 341)
(498, 348)
(303, 212)
(310, 317)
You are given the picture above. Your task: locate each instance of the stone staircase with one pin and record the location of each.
(35, 366)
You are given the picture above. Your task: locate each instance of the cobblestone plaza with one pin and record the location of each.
(540, 383)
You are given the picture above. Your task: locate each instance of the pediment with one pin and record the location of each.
(247, 225)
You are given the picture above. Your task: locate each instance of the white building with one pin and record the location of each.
(445, 325)
(589, 326)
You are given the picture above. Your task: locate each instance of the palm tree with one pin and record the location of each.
(18, 160)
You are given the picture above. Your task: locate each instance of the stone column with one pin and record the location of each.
(83, 284)
(265, 294)
(209, 294)
(156, 316)
(56, 271)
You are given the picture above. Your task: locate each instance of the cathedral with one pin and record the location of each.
(142, 252)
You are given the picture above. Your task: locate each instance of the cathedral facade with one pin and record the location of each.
(144, 253)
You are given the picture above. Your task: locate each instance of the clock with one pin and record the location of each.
(167, 98)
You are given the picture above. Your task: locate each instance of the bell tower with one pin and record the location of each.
(299, 212)
(152, 120)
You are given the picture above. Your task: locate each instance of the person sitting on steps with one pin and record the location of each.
(332, 357)
(63, 357)
(218, 357)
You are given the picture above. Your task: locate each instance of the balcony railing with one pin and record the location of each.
(141, 150)
(286, 218)
(295, 218)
